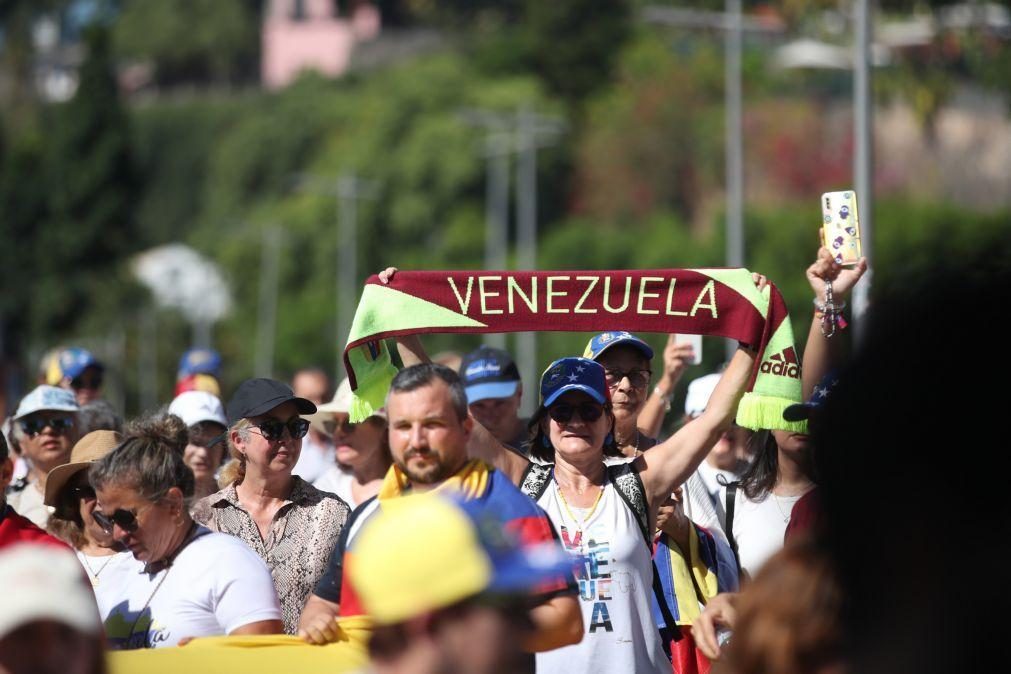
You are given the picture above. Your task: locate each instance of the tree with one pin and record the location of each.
(89, 228)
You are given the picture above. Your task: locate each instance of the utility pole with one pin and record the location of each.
(732, 23)
(350, 189)
(533, 131)
(863, 157)
(734, 145)
(270, 276)
(496, 149)
(147, 358)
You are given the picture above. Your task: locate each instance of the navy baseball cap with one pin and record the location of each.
(574, 374)
(819, 396)
(598, 344)
(489, 373)
(258, 396)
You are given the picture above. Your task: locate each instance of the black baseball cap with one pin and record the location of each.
(489, 373)
(257, 396)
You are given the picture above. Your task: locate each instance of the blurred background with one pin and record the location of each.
(225, 173)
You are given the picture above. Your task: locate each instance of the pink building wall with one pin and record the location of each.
(319, 41)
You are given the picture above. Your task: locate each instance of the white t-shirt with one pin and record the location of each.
(314, 459)
(337, 481)
(759, 527)
(215, 585)
(109, 575)
(30, 503)
(615, 585)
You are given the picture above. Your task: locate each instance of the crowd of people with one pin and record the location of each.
(582, 539)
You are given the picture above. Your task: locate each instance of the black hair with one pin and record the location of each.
(910, 480)
(760, 477)
(418, 376)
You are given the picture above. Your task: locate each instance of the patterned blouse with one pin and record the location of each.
(298, 547)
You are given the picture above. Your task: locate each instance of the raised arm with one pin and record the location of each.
(676, 356)
(669, 464)
(822, 353)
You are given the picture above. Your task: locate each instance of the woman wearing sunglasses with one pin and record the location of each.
(194, 582)
(73, 501)
(45, 429)
(289, 523)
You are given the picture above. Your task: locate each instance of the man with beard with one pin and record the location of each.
(428, 431)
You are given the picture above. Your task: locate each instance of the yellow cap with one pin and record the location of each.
(418, 554)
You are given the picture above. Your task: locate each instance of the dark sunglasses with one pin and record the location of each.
(563, 413)
(637, 378)
(33, 427)
(272, 429)
(125, 519)
(92, 383)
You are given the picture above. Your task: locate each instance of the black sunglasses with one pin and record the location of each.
(563, 413)
(33, 427)
(125, 519)
(272, 429)
(93, 382)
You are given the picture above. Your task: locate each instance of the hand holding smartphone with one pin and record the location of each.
(840, 231)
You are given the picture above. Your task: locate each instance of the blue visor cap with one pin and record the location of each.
(74, 361)
(489, 373)
(819, 396)
(200, 361)
(598, 344)
(574, 374)
(516, 566)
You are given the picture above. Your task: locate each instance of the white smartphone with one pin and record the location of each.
(696, 342)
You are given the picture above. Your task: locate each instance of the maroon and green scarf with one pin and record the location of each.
(718, 302)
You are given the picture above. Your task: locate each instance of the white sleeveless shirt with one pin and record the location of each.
(615, 585)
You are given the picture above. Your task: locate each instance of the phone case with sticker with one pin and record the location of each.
(840, 230)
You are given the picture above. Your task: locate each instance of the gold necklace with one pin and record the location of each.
(593, 508)
(91, 571)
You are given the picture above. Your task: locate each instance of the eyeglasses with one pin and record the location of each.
(563, 413)
(272, 429)
(59, 425)
(637, 378)
(125, 519)
(345, 426)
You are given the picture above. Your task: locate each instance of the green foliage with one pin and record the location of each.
(191, 40)
(92, 194)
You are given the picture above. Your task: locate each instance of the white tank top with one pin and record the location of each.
(615, 582)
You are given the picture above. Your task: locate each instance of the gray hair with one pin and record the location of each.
(98, 415)
(418, 376)
(149, 460)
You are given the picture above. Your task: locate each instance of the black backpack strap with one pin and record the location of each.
(730, 503)
(632, 491)
(535, 480)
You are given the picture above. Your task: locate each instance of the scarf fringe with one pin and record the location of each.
(758, 411)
